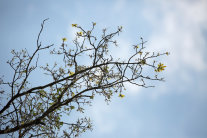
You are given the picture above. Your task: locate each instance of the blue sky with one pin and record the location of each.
(176, 108)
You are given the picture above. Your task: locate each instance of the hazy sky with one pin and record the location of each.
(176, 108)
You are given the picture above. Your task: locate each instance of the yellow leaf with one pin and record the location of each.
(167, 53)
(64, 39)
(121, 95)
(79, 33)
(74, 25)
(71, 73)
(73, 94)
(160, 67)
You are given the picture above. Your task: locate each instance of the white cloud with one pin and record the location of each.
(177, 27)
(131, 89)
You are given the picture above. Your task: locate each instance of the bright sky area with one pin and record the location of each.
(176, 108)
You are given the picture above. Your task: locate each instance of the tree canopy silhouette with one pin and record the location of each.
(32, 111)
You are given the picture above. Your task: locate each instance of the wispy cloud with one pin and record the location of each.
(178, 27)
